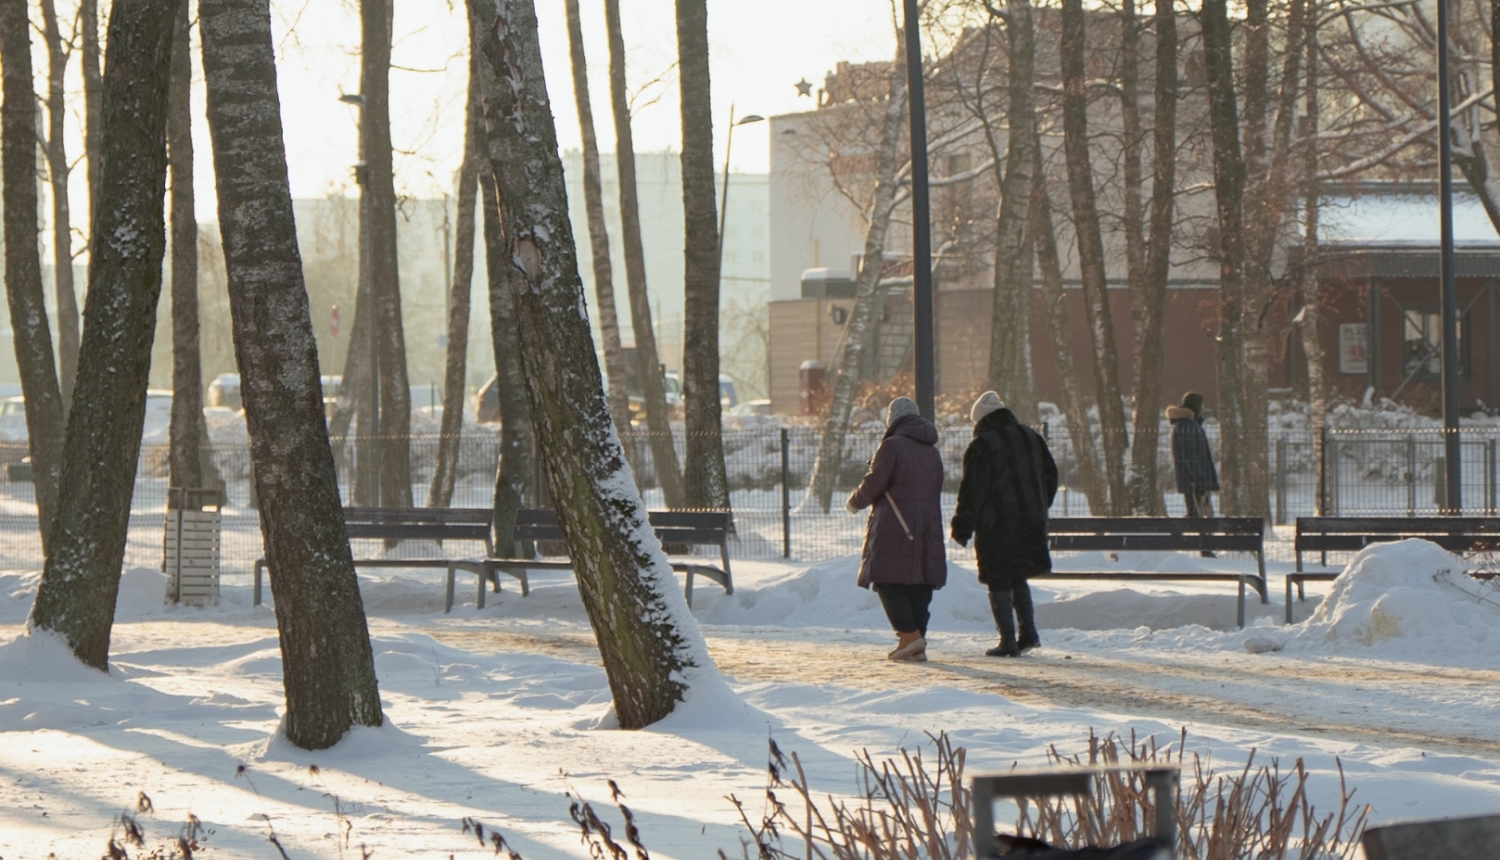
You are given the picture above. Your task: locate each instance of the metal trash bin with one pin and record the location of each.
(191, 545)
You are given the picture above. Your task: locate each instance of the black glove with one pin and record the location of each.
(962, 531)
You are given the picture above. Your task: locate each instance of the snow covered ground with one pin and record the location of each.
(496, 714)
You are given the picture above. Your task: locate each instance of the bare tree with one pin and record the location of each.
(58, 169)
(328, 670)
(93, 94)
(1312, 344)
(651, 651)
(81, 575)
(1091, 253)
(593, 202)
(653, 386)
(23, 267)
(445, 472)
(704, 477)
(859, 333)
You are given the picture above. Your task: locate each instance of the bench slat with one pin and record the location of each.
(1228, 543)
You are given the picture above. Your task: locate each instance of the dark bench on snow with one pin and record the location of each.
(1027, 785)
(1447, 837)
(1351, 534)
(1164, 534)
(437, 524)
(689, 528)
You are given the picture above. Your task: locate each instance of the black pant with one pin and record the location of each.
(1010, 605)
(905, 605)
(1199, 503)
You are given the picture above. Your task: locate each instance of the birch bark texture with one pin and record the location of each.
(187, 431)
(593, 204)
(58, 172)
(650, 647)
(1086, 228)
(328, 670)
(81, 575)
(23, 266)
(664, 463)
(859, 333)
(445, 472)
(704, 475)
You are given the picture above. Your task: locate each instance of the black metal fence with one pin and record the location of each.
(1390, 472)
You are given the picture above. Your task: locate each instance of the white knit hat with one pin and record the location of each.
(900, 408)
(988, 402)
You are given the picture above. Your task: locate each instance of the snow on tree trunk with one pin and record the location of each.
(328, 670)
(187, 430)
(1076, 147)
(648, 362)
(1150, 293)
(704, 476)
(1080, 435)
(650, 647)
(859, 334)
(380, 186)
(1009, 374)
(58, 169)
(23, 266)
(445, 473)
(81, 574)
(1229, 189)
(593, 204)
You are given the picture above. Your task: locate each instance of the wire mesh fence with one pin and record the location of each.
(1364, 472)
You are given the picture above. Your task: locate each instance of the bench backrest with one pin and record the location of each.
(1419, 840)
(695, 528)
(1348, 534)
(419, 523)
(1243, 534)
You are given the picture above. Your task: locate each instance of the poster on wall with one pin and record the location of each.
(1353, 349)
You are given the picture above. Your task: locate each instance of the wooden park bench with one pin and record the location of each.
(437, 524)
(1164, 534)
(1034, 785)
(1351, 534)
(679, 528)
(1455, 838)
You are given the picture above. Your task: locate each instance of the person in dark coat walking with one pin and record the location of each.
(1009, 482)
(1194, 463)
(904, 558)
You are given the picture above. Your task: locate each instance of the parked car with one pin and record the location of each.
(751, 407)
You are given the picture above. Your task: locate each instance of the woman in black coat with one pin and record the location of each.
(1191, 457)
(1008, 485)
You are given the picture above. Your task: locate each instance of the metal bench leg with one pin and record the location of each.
(483, 578)
(1289, 600)
(1265, 584)
(1239, 615)
(688, 590)
(255, 598)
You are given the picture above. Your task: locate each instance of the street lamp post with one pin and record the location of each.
(370, 420)
(1453, 472)
(921, 222)
(724, 191)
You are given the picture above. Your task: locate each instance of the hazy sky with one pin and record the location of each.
(758, 51)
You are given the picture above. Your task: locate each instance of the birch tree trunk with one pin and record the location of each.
(859, 335)
(23, 266)
(593, 202)
(1229, 190)
(650, 648)
(328, 670)
(380, 178)
(58, 170)
(653, 386)
(93, 95)
(1080, 434)
(1312, 343)
(81, 575)
(515, 472)
(1149, 294)
(1091, 253)
(187, 430)
(1009, 323)
(704, 477)
(445, 472)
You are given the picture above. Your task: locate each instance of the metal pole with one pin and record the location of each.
(786, 495)
(724, 194)
(1453, 503)
(921, 221)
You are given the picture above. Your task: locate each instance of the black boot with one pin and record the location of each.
(1003, 608)
(1026, 616)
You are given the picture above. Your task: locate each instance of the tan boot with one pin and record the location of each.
(909, 646)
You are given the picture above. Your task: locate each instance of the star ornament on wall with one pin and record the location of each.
(803, 88)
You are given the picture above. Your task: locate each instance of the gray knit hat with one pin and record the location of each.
(988, 402)
(900, 408)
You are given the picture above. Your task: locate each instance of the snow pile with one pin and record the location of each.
(1411, 597)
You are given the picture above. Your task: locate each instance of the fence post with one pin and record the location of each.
(1323, 471)
(1280, 482)
(786, 495)
(1411, 474)
(1489, 476)
(1334, 500)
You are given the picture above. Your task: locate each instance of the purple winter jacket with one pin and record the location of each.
(909, 468)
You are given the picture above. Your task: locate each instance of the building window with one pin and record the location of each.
(1422, 344)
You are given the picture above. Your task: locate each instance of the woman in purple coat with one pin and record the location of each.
(904, 558)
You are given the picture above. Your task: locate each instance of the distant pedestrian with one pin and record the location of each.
(1193, 461)
(904, 558)
(1008, 485)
